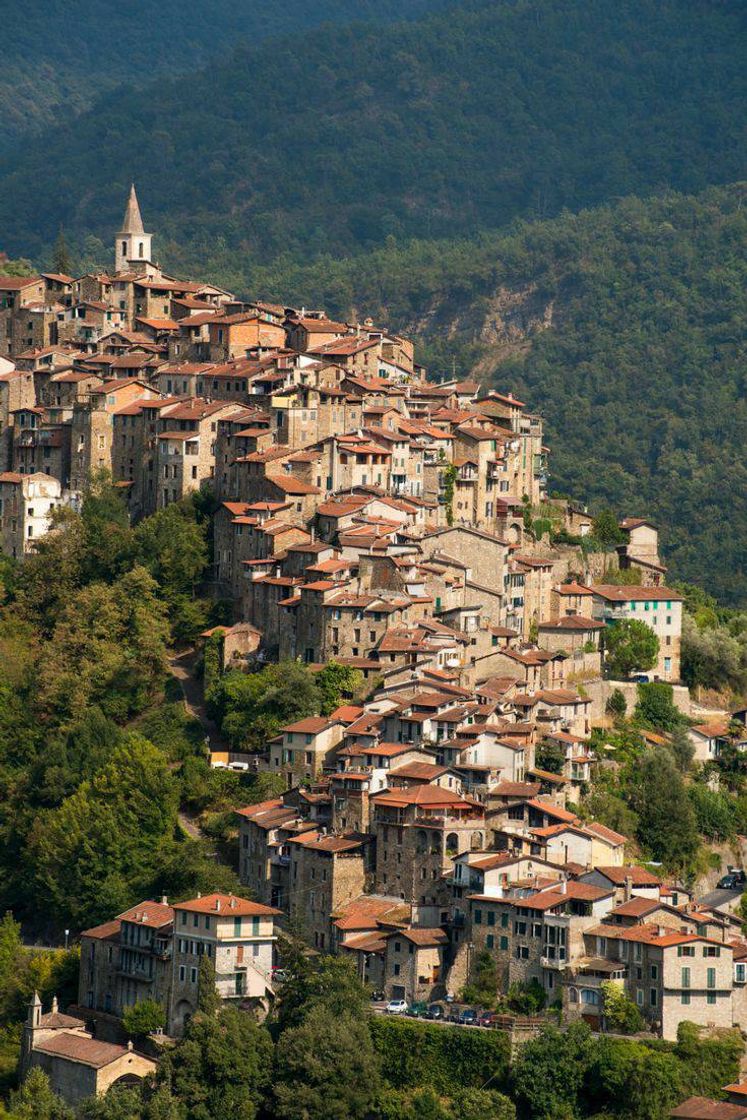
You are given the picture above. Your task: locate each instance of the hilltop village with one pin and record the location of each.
(370, 517)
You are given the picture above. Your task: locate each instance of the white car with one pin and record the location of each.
(396, 1007)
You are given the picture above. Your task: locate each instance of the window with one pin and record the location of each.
(685, 977)
(182, 973)
(193, 975)
(710, 997)
(686, 951)
(490, 941)
(685, 999)
(711, 978)
(653, 997)
(491, 917)
(237, 927)
(522, 952)
(711, 951)
(396, 970)
(503, 943)
(504, 919)
(639, 996)
(739, 973)
(654, 972)
(478, 917)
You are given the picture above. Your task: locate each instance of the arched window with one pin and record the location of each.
(452, 842)
(476, 841)
(422, 840)
(124, 248)
(572, 995)
(140, 249)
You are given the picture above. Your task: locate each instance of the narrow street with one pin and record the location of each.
(182, 669)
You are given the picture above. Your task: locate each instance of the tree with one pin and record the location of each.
(630, 645)
(143, 1017)
(221, 1068)
(336, 682)
(606, 529)
(483, 984)
(667, 827)
(655, 707)
(482, 1104)
(36, 1101)
(682, 747)
(620, 1013)
(617, 705)
(104, 846)
(208, 1000)
(550, 1070)
(328, 982)
(61, 259)
(326, 1068)
(550, 756)
(527, 997)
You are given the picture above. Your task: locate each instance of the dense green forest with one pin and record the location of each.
(455, 122)
(631, 342)
(57, 59)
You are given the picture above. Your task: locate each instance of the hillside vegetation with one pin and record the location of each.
(455, 122)
(58, 59)
(624, 326)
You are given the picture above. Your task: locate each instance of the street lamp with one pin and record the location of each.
(67, 935)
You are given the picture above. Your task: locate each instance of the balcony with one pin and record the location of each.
(555, 962)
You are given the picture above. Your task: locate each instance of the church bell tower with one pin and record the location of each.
(132, 247)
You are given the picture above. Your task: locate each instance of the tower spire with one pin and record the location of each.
(133, 222)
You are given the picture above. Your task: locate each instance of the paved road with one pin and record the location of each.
(721, 899)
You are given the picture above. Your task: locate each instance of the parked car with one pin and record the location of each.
(240, 766)
(378, 996)
(396, 1007)
(732, 881)
(640, 678)
(417, 1010)
(487, 1019)
(279, 975)
(468, 1017)
(435, 1011)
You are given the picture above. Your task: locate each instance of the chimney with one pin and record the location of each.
(628, 888)
(164, 900)
(233, 903)
(129, 1044)
(55, 1005)
(217, 904)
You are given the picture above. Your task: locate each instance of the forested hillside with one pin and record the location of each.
(624, 325)
(456, 122)
(57, 59)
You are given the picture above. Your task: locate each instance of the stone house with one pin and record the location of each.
(17, 390)
(660, 608)
(306, 747)
(414, 964)
(128, 959)
(326, 872)
(536, 934)
(185, 447)
(673, 977)
(418, 832)
(264, 852)
(76, 1064)
(231, 336)
(41, 446)
(26, 505)
(92, 427)
(237, 936)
